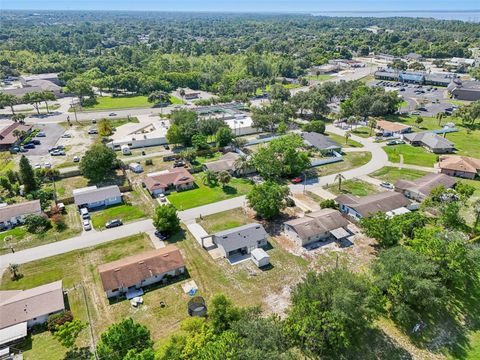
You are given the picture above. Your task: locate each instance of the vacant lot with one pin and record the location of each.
(224, 220)
(354, 187)
(392, 174)
(66, 186)
(126, 102)
(362, 131)
(19, 238)
(123, 212)
(203, 194)
(414, 155)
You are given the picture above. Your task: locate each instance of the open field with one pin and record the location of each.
(125, 102)
(414, 155)
(224, 220)
(203, 194)
(19, 238)
(320, 77)
(350, 161)
(341, 140)
(6, 162)
(354, 187)
(392, 174)
(124, 212)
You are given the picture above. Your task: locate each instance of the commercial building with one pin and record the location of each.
(144, 134)
(164, 182)
(360, 207)
(15, 214)
(9, 137)
(129, 275)
(92, 197)
(22, 309)
(240, 240)
(430, 141)
(465, 90)
(419, 189)
(316, 226)
(415, 77)
(460, 166)
(37, 83)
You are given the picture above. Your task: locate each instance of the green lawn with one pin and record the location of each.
(123, 212)
(199, 160)
(392, 174)
(341, 140)
(413, 155)
(354, 187)
(203, 194)
(350, 161)
(363, 131)
(224, 220)
(320, 77)
(6, 162)
(125, 102)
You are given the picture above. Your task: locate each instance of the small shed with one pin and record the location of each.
(135, 167)
(260, 257)
(125, 150)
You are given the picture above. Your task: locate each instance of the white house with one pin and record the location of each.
(127, 276)
(93, 197)
(144, 134)
(12, 215)
(135, 167)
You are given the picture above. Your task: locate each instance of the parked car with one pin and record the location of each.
(422, 108)
(161, 235)
(400, 142)
(112, 114)
(84, 213)
(162, 198)
(392, 142)
(76, 159)
(86, 225)
(296, 180)
(92, 131)
(29, 146)
(94, 121)
(47, 165)
(66, 136)
(166, 147)
(36, 142)
(387, 185)
(113, 223)
(38, 166)
(57, 153)
(415, 113)
(41, 134)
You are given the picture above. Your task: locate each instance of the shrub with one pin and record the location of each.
(37, 223)
(149, 162)
(328, 204)
(58, 319)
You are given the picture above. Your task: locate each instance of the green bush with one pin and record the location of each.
(59, 319)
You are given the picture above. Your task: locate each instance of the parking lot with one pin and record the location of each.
(40, 154)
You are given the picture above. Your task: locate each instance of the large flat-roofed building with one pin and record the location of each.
(37, 83)
(29, 307)
(465, 90)
(240, 240)
(419, 189)
(140, 135)
(316, 226)
(135, 272)
(415, 77)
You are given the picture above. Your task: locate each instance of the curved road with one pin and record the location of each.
(379, 160)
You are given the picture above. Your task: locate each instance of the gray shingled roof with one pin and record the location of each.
(246, 235)
(430, 140)
(317, 222)
(426, 183)
(15, 210)
(368, 205)
(321, 142)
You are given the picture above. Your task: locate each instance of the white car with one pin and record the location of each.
(38, 166)
(387, 185)
(47, 165)
(163, 198)
(76, 159)
(86, 225)
(66, 136)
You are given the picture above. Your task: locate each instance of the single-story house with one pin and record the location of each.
(240, 240)
(92, 197)
(316, 226)
(240, 124)
(413, 57)
(388, 128)
(12, 215)
(419, 189)
(465, 90)
(164, 182)
(431, 141)
(260, 257)
(21, 309)
(227, 163)
(461, 166)
(138, 135)
(130, 274)
(7, 135)
(364, 206)
(321, 142)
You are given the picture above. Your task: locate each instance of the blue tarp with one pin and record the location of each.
(134, 293)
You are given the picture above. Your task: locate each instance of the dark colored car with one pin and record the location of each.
(113, 223)
(36, 142)
(160, 235)
(29, 146)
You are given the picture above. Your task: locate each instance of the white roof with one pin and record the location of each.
(152, 129)
(259, 254)
(12, 333)
(240, 121)
(93, 194)
(399, 211)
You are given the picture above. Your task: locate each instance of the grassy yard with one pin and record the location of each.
(362, 131)
(350, 161)
(320, 77)
(125, 102)
(354, 187)
(413, 155)
(65, 186)
(203, 194)
(392, 174)
(6, 162)
(19, 238)
(123, 212)
(341, 140)
(199, 160)
(224, 220)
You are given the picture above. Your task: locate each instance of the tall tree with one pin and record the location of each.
(166, 219)
(9, 100)
(27, 175)
(268, 199)
(97, 163)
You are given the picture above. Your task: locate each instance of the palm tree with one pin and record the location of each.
(13, 268)
(18, 134)
(47, 96)
(224, 177)
(372, 123)
(19, 118)
(9, 100)
(348, 135)
(209, 178)
(242, 164)
(339, 178)
(440, 117)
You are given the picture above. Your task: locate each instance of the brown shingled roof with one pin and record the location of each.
(459, 163)
(132, 270)
(391, 126)
(176, 176)
(6, 135)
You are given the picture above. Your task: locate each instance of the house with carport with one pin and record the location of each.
(92, 197)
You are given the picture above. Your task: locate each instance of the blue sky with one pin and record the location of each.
(242, 5)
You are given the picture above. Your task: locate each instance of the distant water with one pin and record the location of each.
(468, 16)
